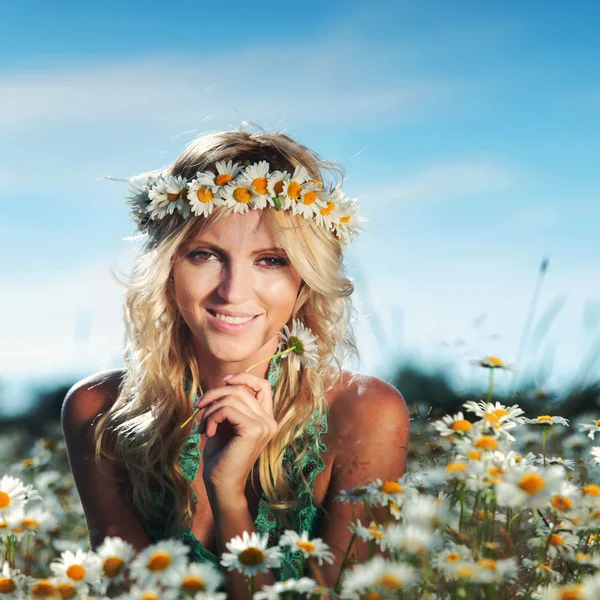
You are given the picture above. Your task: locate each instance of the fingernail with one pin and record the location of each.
(198, 400)
(227, 377)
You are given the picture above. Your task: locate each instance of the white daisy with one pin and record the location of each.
(499, 417)
(348, 224)
(491, 362)
(35, 520)
(379, 575)
(547, 420)
(410, 538)
(79, 568)
(149, 592)
(529, 488)
(203, 194)
(249, 554)
(239, 195)
(448, 425)
(68, 589)
(355, 494)
(310, 548)
(226, 172)
(157, 562)
(257, 175)
(114, 555)
(311, 200)
(292, 187)
(197, 578)
(138, 201)
(277, 181)
(12, 582)
(425, 511)
(567, 463)
(371, 533)
(301, 341)
(168, 194)
(556, 542)
(575, 443)
(591, 429)
(13, 495)
(450, 555)
(496, 571)
(381, 492)
(595, 452)
(329, 214)
(42, 589)
(466, 571)
(304, 585)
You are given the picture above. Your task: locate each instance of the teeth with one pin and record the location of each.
(235, 320)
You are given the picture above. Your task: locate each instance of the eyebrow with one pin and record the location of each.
(219, 249)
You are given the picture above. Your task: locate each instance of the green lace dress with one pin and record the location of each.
(304, 517)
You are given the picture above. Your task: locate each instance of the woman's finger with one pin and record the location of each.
(246, 425)
(254, 411)
(260, 386)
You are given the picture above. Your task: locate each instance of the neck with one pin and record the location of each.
(213, 369)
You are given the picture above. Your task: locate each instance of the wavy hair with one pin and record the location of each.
(140, 431)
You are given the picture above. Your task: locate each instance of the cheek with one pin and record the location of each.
(280, 293)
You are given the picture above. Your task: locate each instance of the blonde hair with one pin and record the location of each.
(140, 432)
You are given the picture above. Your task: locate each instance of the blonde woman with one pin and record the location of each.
(240, 225)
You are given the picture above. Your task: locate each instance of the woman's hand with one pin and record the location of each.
(238, 423)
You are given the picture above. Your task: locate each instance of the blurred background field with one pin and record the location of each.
(469, 133)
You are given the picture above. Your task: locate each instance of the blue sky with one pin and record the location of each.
(469, 132)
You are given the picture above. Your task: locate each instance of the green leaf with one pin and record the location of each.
(277, 203)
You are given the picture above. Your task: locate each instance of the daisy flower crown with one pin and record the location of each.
(242, 187)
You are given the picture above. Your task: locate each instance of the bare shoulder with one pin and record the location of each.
(90, 397)
(363, 405)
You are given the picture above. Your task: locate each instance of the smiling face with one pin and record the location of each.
(234, 265)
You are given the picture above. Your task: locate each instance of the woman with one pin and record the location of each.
(241, 225)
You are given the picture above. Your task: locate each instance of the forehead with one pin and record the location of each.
(238, 230)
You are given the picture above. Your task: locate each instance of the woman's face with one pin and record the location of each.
(235, 265)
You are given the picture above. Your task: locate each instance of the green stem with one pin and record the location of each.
(544, 438)
(490, 386)
(370, 513)
(290, 349)
(344, 563)
(251, 586)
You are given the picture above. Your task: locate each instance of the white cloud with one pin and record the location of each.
(537, 218)
(315, 84)
(445, 182)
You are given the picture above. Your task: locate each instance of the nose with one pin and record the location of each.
(236, 282)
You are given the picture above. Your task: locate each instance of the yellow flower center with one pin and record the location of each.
(149, 596)
(293, 190)
(486, 442)
(598, 423)
(27, 462)
(453, 557)
(518, 458)
(345, 219)
(390, 582)
(544, 419)
(456, 466)
(173, 196)
(494, 361)
(242, 195)
(495, 470)
(304, 545)
(76, 572)
(327, 209)
(561, 502)
(591, 490)
(278, 187)
(251, 557)
(583, 556)
(260, 185)
(501, 412)
(481, 515)
(7, 585)
(571, 592)
(113, 566)
(317, 183)
(4, 500)
(42, 589)
(532, 483)
(391, 487)
(545, 567)
(204, 194)
(464, 572)
(309, 197)
(192, 585)
(223, 179)
(556, 540)
(66, 590)
(375, 532)
(487, 563)
(461, 425)
(31, 523)
(371, 596)
(492, 418)
(474, 455)
(159, 561)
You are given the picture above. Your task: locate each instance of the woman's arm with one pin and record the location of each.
(106, 509)
(370, 426)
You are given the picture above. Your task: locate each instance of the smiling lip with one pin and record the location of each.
(231, 327)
